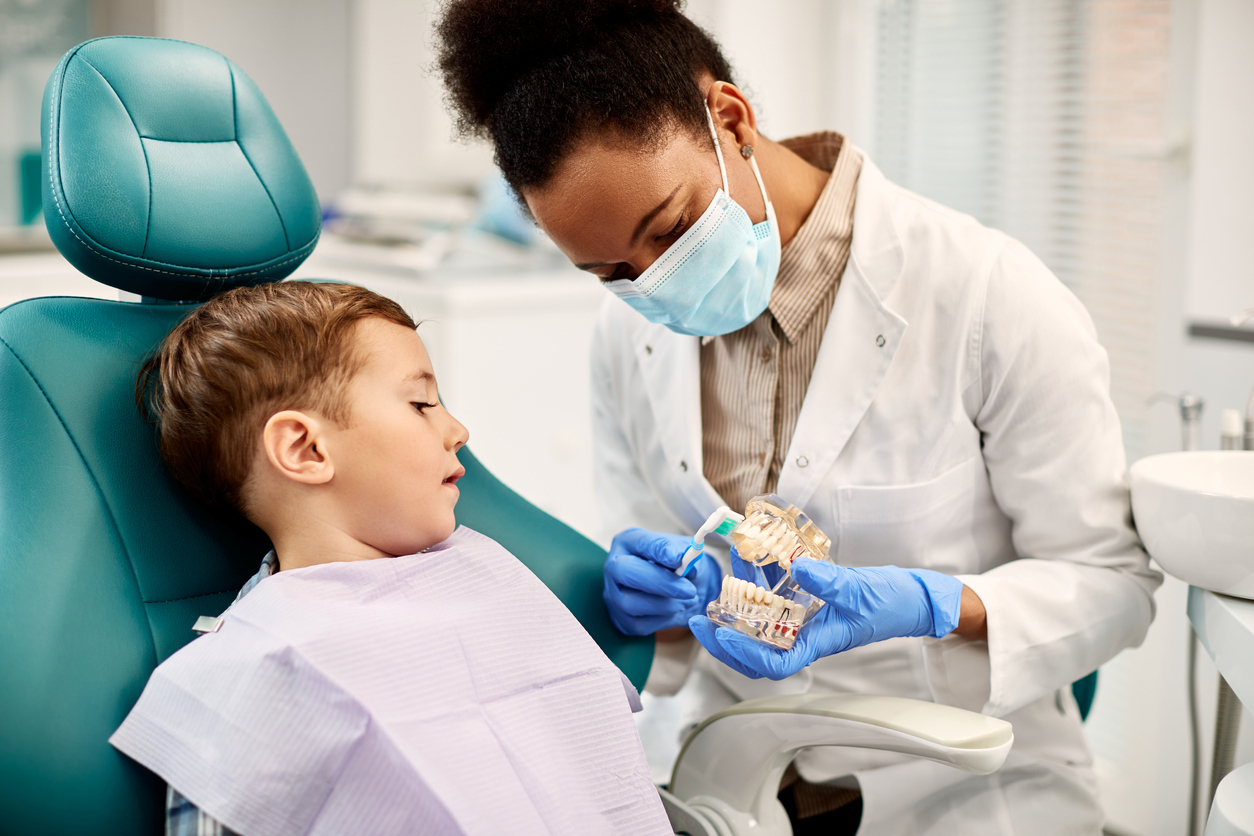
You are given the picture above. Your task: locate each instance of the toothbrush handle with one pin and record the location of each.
(689, 560)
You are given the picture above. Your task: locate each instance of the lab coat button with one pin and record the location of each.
(648, 349)
(803, 460)
(880, 341)
(683, 466)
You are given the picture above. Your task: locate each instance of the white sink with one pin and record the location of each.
(1195, 513)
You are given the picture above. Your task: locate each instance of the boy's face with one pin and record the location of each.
(396, 464)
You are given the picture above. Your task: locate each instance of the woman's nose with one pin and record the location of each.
(643, 259)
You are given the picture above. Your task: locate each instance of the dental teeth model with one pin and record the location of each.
(758, 612)
(773, 531)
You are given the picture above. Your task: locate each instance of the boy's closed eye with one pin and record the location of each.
(420, 406)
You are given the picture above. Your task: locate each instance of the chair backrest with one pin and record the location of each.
(104, 561)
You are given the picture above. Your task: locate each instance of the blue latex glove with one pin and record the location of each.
(642, 591)
(863, 606)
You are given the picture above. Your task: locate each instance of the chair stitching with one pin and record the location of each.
(113, 523)
(235, 114)
(189, 141)
(142, 148)
(56, 197)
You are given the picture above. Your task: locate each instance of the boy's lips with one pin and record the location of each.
(451, 479)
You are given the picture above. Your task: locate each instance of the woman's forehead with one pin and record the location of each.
(600, 192)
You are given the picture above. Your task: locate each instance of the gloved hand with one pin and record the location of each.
(642, 591)
(863, 606)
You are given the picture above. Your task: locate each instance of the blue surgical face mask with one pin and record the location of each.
(717, 277)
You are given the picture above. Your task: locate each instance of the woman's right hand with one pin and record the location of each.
(642, 591)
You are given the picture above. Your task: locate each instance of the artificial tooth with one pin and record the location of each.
(758, 594)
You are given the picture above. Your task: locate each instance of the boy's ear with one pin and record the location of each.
(292, 443)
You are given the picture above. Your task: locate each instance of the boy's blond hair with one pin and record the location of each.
(240, 358)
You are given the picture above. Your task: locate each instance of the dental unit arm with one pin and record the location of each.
(726, 779)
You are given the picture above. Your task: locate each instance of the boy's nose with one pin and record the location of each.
(458, 435)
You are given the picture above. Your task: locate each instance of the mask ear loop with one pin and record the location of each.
(722, 169)
(718, 149)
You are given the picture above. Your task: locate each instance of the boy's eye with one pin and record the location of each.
(420, 406)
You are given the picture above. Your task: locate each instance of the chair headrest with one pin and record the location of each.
(166, 173)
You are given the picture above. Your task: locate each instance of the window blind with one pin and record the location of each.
(1046, 119)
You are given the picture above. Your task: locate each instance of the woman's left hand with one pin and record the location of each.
(863, 606)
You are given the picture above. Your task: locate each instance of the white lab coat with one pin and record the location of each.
(958, 419)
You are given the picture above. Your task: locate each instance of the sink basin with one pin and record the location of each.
(1195, 513)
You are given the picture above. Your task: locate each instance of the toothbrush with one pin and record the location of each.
(722, 521)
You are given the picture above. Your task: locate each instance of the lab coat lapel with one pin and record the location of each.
(670, 365)
(858, 346)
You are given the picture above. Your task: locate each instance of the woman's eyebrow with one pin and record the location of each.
(648, 219)
(640, 230)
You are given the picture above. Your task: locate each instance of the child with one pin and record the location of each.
(386, 671)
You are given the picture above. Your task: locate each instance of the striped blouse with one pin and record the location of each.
(753, 381)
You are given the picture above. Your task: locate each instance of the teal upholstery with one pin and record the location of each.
(1085, 691)
(166, 173)
(104, 561)
(103, 567)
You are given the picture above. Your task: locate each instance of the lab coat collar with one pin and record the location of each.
(670, 364)
(859, 344)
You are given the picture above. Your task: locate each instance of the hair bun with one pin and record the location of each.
(486, 46)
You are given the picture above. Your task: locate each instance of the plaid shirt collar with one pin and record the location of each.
(269, 565)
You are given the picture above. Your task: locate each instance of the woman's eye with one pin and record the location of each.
(677, 229)
(622, 271)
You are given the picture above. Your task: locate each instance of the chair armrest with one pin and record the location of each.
(731, 764)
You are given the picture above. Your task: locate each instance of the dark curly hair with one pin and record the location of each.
(535, 76)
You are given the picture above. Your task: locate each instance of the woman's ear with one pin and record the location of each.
(732, 112)
(295, 447)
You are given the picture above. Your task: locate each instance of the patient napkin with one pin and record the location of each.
(444, 692)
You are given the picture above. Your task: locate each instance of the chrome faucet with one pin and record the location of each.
(1190, 406)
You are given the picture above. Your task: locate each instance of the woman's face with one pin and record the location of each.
(613, 208)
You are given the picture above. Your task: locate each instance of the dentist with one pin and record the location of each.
(781, 318)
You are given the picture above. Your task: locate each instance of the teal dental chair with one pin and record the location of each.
(166, 175)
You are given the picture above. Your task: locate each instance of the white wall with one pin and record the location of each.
(804, 63)
(297, 52)
(1221, 259)
(402, 133)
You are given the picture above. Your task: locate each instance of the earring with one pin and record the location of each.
(746, 151)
